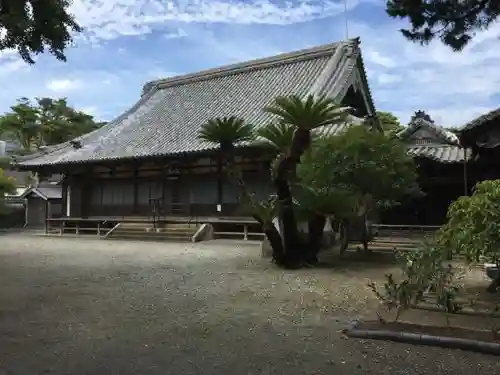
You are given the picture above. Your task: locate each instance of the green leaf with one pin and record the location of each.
(226, 131)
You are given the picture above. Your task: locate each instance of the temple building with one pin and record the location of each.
(150, 158)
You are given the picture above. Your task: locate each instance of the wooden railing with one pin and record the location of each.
(386, 230)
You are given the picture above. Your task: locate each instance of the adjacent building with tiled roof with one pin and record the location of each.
(151, 153)
(482, 132)
(425, 139)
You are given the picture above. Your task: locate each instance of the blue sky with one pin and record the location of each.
(129, 42)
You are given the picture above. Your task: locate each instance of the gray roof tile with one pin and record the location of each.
(167, 118)
(493, 115)
(45, 192)
(444, 149)
(443, 134)
(441, 153)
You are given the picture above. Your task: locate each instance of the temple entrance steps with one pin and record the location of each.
(400, 237)
(147, 231)
(395, 243)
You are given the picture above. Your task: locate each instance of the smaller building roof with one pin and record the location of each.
(425, 139)
(44, 192)
(440, 133)
(443, 154)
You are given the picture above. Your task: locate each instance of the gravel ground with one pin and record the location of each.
(84, 306)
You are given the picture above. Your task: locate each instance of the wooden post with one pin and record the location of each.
(136, 189)
(187, 188)
(466, 188)
(64, 202)
(46, 217)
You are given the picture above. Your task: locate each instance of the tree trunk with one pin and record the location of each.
(344, 236)
(272, 234)
(276, 243)
(292, 242)
(316, 228)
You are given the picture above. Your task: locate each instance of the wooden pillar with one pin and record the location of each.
(86, 194)
(466, 187)
(136, 189)
(187, 189)
(47, 215)
(166, 201)
(64, 187)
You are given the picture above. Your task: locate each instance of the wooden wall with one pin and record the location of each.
(182, 189)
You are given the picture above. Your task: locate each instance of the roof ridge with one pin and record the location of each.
(249, 65)
(480, 120)
(441, 131)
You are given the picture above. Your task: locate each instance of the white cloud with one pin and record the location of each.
(404, 77)
(63, 85)
(11, 62)
(110, 19)
(379, 58)
(453, 87)
(178, 33)
(385, 79)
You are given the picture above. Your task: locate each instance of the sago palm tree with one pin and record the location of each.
(303, 114)
(226, 132)
(277, 135)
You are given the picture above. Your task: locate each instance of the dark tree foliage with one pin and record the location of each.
(34, 26)
(454, 22)
(389, 123)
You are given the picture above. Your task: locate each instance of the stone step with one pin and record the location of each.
(146, 226)
(390, 243)
(394, 244)
(153, 231)
(238, 235)
(161, 237)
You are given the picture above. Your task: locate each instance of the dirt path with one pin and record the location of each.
(104, 307)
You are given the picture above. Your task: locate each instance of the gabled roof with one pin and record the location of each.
(482, 120)
(44, 192)
(443, 146)
(167, 118)
(441, 135)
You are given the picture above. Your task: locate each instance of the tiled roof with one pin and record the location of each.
(440, 153)
(444, 147)
(481, 120)
(45, 192)
(167, 118)
(444, 135)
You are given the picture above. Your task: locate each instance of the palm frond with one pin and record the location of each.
(307, 113)
(278, 135)
(266, 210)
(226, 131)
